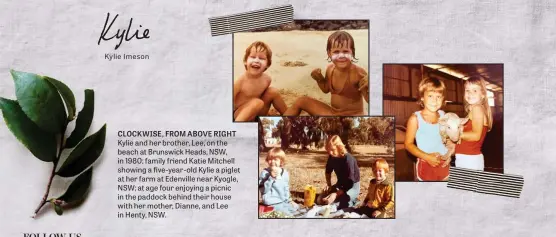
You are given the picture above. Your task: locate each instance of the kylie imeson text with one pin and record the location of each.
(116, 56)
(120, 35)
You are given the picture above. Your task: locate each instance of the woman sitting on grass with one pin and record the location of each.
(346, 190)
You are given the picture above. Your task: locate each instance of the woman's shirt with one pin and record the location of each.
(346, 169)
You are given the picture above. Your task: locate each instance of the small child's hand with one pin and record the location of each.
(433, 159)
(316, 74)
(460, 135)
(275, 171)
(376, 213)
(447, 161)
(340, 192)
(364, 83)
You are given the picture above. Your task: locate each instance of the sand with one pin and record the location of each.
(295, 55)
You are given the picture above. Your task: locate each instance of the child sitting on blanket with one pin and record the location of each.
(274, 183)
(380, 194)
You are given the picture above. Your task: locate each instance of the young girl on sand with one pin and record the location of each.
(253, 95)
(274, 183)
(346, 82)
(468, 152)
(423, 127)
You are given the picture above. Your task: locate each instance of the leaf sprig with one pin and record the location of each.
(39, 117)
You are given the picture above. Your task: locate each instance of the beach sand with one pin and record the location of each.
(294, 55)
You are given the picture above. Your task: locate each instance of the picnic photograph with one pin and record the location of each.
(326, 167)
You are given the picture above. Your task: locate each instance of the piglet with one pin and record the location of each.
(451, 128)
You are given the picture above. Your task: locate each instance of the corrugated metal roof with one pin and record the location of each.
(493, 74)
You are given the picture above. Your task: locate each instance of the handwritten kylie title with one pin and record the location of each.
(121, 35)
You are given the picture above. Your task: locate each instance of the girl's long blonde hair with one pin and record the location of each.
(484, 102)
(335, 145)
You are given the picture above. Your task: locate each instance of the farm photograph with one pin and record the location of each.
(447, 115)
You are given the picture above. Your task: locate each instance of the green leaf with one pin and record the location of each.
(84, 120)
(58, 209)
(67, 95)
(85, 154)
(40, 101)
(42, 144)
(78, 188)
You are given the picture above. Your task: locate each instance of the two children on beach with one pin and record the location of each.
(347, 83)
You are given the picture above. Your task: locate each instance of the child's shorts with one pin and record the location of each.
(476, 162)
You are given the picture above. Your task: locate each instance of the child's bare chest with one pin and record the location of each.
(343, 82)
(254, 87)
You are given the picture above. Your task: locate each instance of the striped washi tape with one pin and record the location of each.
(507, 185)
(251, 20)
(464, 179)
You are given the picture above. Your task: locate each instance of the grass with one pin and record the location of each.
(307, 168)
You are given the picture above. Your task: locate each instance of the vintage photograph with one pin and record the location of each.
(304, 68)
(447, 115)
(326, 167)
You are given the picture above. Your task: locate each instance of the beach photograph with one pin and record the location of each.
(304, 68)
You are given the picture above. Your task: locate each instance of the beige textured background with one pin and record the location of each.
(187, 85)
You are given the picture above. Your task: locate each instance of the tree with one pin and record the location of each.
(275, 133)
(284, 127)
(267, 124)
(375, 131)
(262, 145)
(340, 126)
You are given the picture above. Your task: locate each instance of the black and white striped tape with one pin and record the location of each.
(251, 20)
(508, 185)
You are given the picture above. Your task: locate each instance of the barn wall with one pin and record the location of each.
(401, 91)
(498, 109)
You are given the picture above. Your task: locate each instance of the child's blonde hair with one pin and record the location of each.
(380, 163)
(276, 153)
(484, 102)
(335, 143)
(431, 84)
(263, 48)
(339, 38)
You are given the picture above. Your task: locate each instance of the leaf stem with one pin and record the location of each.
(52, 174)
(43, 201)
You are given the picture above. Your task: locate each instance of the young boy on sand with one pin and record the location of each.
(252, 92)
(346, 82)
